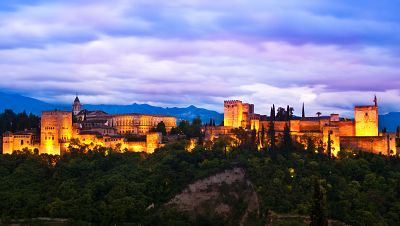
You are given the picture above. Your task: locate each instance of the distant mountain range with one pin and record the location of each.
(19, 103)
(390, 121)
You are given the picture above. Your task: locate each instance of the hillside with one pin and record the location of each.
(19, 103)
(228, 196)
(113, 188)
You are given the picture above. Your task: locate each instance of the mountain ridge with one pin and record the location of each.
(19, 103)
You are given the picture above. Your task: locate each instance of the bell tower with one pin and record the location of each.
(76, 107)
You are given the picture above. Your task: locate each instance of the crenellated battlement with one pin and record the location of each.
(232, 102)
(55, 112)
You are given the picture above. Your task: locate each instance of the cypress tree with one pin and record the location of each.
(271, 129)
(262, 136)
(271, 115)
(329, 148)
(287, 139)
(303, 114)
(273, 112)
(287, 117)
(318, 215)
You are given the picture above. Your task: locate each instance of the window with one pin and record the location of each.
(22, 142)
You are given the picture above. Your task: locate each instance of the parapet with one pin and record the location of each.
(232, 102)
(366, 107)
(56, 112)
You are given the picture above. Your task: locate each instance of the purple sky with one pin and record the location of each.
(330, 55)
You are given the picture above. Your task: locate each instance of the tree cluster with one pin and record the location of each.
(10, 121)
(190, 130)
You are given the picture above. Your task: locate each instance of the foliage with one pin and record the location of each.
(107, 187)
(160, 128)
(283, 114)
(191, 130)
(10, 121)
(318, 215)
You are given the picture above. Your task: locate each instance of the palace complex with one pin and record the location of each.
(359, 134)
(131, 132)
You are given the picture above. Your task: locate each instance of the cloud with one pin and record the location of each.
(330, 55)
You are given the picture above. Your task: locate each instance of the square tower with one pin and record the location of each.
(233, 113)
(366, 119)
(55, 131)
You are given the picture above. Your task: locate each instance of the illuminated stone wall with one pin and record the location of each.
(347, 128)
(113, 142)
(213, 132)
(366, 120)
(152, 141)
(311, 125)
(27, 139)
(279, 126)
(91, 139)
(295, 126)
(247, 115)
(255, 124)
(385, 144)
(233, 113)
(140, 124)
(18, 142)
(136, 146)
(56, 131)
(8, 143)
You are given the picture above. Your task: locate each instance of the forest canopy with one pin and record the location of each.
(106, 187)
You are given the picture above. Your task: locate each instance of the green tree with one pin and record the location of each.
(262, 139)
(318, 212)
(161, 128)
(281, 114)
(287, 138)
(311, 147)
(329, 145)
(271, 129)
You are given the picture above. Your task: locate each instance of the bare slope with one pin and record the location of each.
(228, 195)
